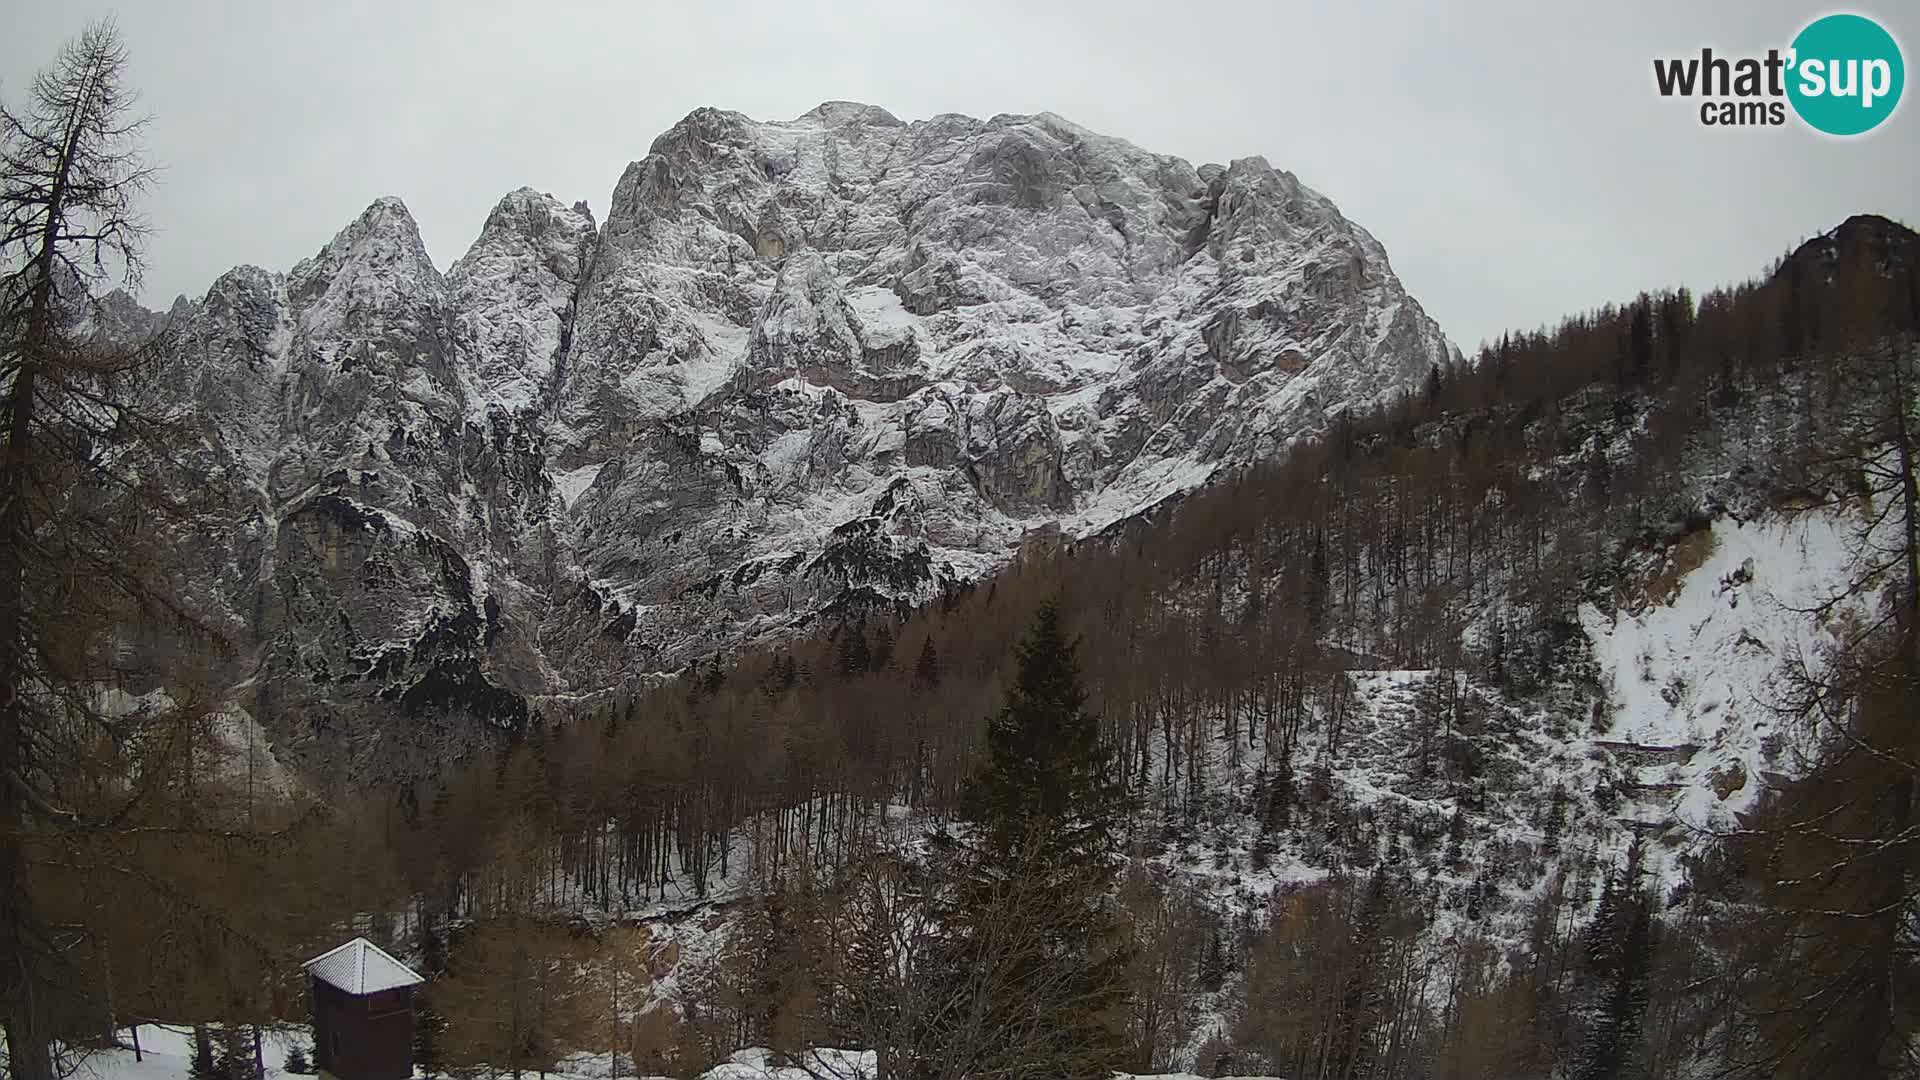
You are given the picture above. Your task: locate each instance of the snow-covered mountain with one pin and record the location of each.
(804, 368)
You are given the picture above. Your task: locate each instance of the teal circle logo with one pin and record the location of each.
(1846, 74)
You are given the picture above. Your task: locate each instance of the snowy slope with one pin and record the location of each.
(1697, 675)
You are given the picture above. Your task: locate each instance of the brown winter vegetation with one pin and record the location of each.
(962, 825)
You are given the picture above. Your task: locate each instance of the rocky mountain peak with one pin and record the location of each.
(805, 369)
(381, 246)
(1878, 240)
(839, 113)
(513, 293)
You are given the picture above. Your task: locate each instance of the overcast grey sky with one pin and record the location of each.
(1513, 157)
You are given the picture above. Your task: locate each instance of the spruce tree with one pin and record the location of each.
(1047, 787)
(1639, 341)
(1456, 835)
(233, 1054)
(1603, 936)
(1279, 807)
(926, 670)
(854, 656)
(1031, 924)
(1614, 1041)
(1556, 820)
(1213, 962)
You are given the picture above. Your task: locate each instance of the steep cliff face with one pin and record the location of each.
(845, 355)
(804, 368)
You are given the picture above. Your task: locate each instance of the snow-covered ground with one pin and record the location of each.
(167, 1053)
(1696, 676)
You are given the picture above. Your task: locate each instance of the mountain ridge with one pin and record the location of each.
(802, 369)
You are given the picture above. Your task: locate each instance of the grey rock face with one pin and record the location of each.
(512, 299)
(803, 369)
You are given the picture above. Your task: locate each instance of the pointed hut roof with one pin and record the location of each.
(361, 967)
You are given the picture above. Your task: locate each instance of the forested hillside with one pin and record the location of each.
(1550, 719)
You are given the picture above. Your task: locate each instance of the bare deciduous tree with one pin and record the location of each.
(90, 755)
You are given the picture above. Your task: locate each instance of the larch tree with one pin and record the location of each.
(63, 191)
(96, 767)
(1174, 941)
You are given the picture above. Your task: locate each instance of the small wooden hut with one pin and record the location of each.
(362, 1013)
